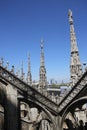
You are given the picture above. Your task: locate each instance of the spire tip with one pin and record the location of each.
(70, 12)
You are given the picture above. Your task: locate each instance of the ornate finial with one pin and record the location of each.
(1, 61)
(12, 69)
(17, 72)
(7, 65)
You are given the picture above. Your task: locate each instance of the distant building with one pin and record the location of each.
(53, 81)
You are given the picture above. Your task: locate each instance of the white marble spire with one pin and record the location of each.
(75, 65)
(29, 76)
(42, 73)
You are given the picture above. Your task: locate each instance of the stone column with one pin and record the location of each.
(59, 119)
(11, 109)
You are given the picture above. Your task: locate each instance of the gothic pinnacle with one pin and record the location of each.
(22, 73)
(29, 76)
(42, 52)
(75, 65)
(42, 73)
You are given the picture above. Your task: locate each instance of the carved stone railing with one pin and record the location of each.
(30, 91)
(75, 90)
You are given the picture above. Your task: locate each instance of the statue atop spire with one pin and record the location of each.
(42, 52)
(29, 76)
(42, 44)
(75, 65)
(70, 17)
(42, 73)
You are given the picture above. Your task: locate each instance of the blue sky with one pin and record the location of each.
(23, 23)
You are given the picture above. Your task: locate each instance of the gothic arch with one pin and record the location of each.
(2, 107)
(2, 95)
(78, 103)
